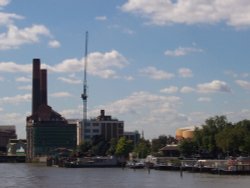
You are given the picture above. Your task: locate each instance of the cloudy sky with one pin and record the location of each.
(158, 65)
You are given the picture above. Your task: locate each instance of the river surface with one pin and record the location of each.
(36, 176)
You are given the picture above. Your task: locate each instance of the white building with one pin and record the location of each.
(102, 125)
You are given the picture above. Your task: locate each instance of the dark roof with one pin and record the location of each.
(170, 148)
(46, 113)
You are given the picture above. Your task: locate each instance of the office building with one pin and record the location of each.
(103, 125)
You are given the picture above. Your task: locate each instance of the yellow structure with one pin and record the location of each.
(184, 133)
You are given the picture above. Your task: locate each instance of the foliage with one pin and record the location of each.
(143, 148)
(84, 147)
(162, 141)
(112, 146)
(187, 147)
(123, 147)
(218, 137)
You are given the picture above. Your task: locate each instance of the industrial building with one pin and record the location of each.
(103, 125)
(46, 129)
(7, 132)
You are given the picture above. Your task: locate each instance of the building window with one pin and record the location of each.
(87, 130)
(87, 136)
(95, 130)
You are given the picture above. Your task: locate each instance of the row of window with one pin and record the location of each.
(89, 130)
(104, 124)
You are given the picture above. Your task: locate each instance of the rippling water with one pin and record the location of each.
(33, 175)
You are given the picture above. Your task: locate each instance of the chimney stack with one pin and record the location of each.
(43, 86)
(36, 85)
(102, 113)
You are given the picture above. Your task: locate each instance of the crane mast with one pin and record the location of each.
(84, 94)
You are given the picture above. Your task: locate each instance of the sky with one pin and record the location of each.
(157, 65)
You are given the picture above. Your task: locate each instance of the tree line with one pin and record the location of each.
(98, 146)
(216, 138)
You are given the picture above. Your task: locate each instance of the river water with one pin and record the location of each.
(36, 176)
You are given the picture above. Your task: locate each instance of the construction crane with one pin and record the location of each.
(84, 95)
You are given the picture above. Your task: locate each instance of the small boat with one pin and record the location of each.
(99, 162)
(136, 165)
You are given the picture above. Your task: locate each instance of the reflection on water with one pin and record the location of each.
(34, 175)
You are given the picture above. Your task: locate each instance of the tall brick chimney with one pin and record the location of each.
(43, 86)
(36, 85)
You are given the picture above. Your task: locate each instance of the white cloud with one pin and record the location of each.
(185, 73)
(54, 44)
(169, 90)
(70, 80)
(4, 2)
(147, 111)
(16, 99)
(235, 13)
(60, 94)
(13, 67)
(23, 79)
(236, 116)
(187, 89)
(138, 102)
(182, 51)
(103, 65)
(156, 74)
(231, 73)
(244, 84)
(129, 78)
(1, 78)
(8, 18)
(28, 87)
(204, 99)
(214, 86)
(236, 75)
(16, 37)
(73, 113)
(101, 18)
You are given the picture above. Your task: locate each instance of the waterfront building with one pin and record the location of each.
(46, 129)
(170, 150)
(104, 126)
(17, 147)
(79, 126)
(7, 132)
(133, 136)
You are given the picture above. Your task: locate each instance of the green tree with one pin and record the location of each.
(112, 146)
(84, 147)
(123, 147)
(205, 138)
(187, 147)
(143, 148)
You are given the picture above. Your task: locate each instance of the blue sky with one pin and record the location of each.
(158, 65)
